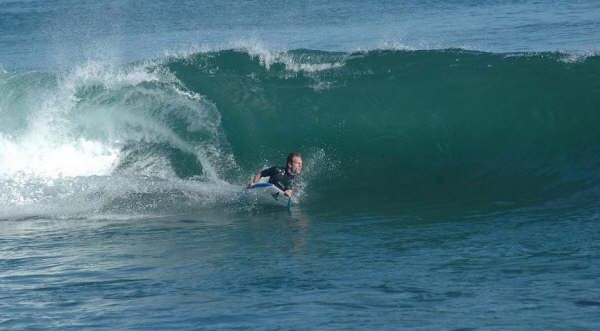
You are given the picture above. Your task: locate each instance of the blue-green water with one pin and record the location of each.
(450, 152)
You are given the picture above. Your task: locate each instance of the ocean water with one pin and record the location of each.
(451, 155)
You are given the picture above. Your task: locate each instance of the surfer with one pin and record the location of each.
(282, 177)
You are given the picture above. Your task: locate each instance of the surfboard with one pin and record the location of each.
(270, 194)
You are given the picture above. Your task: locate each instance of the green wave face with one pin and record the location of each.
(411, 125)
(377, 129)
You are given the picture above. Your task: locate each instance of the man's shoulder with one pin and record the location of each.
(272, 171)
(282, 171)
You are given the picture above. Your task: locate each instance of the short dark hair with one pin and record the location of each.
(291, 156)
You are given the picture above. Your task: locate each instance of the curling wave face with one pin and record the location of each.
(101, 138)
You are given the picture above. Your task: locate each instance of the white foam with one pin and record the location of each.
(39, 158)
(48, 147)
(392, 45)
(106, 196)
(65, 161)
(267, 55)
(576, 57)
(109, 76)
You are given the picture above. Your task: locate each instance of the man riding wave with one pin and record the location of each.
(282, 177)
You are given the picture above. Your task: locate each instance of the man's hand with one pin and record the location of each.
(255, 180)
(287, 193)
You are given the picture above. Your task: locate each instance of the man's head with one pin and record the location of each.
(294, 163)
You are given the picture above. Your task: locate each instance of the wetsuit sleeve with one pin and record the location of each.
(268, 172)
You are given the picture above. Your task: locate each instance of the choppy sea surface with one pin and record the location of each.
(451, 155)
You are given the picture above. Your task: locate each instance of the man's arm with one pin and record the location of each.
(265, 173)
(255, 180)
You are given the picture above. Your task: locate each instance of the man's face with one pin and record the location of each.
(295, 167)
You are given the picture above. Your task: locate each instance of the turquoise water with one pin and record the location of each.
(268, 270)
(450, 165)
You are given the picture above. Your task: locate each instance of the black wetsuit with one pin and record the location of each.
(279, 177)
